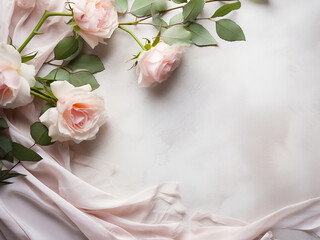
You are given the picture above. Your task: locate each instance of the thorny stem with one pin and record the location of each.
(133, 35)
(38, 26)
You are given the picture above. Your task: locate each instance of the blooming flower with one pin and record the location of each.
(16, 78)
(156, 65)
(78, 115)
(97, 19)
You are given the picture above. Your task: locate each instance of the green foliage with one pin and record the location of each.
(3, 124)
(27, 58)
(229, 30)
(192, 9)
(159, 22)
(200, 36)
(58, 74)
(81, 78)
(68, 48)
(121, 5)
(5, 146)
(25, 154)
(45, 108)
(225, 9)
(89, 62)
(179, 1)
(141, 8)
(178, 18)
(40, 134)
(177, 34)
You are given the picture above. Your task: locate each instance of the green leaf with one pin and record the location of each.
(200, 36)
(45, 108)
(6, 176)
(225, 9)
(5, 146)
(177, 34)
(3, 124)
(1, 165)
(176, 19)
(192, 9)
(141, 8)
(66, 48)
(89, 62)
(40, 134)
(159, 22)
(9, 156)
(121, 5)
(78, 79)
(179, 1)
(76, 53)
(27, 58)
(229, 30)
(58, 74)
(25, 154)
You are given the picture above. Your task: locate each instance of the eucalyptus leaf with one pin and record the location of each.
(25, 154)
(225, 9)
(177, 34)
(3, 124)
(229, 30)
(141, 8)
(200, 36)
(159, 22)
(179, 1)
(121, 5)
(1, 165)
(9, 175)
(76, 53)
(58, 74)
(5, 146)
(9, 156)
(27, 58)
(192, 9)
(178, 18)
(66, 48)
(78, 79)
(40, 134)
(89, 62)
(45, 108)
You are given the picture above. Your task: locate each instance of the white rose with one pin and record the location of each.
(78, 115)
(156, 65)
(97, 19)
(16, 78)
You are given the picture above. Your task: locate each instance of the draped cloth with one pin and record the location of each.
(53, 203)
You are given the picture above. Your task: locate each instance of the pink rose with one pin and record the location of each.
(97, 19)
(26, 4)
(16, 78)
(156, 65)
(78, 115)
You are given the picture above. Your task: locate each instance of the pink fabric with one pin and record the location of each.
(53, 203)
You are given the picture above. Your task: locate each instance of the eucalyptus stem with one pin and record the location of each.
(38, 26)
(9, 170)
(132, 34)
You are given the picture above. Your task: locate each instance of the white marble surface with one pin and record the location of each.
(238, 126)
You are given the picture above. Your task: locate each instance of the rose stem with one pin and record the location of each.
(41, 21)
(49, 100)
(134, 36)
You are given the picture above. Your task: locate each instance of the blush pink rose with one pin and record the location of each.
(78, 115)
(97, 19)
(156, 65)
(26, 4)
(16, 78)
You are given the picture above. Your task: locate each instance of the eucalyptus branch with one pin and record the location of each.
(168, 10)
(38, 26)
(42, 96)
(9, 170)
(133, 35)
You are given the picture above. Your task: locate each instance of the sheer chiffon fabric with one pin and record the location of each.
(52, 203)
